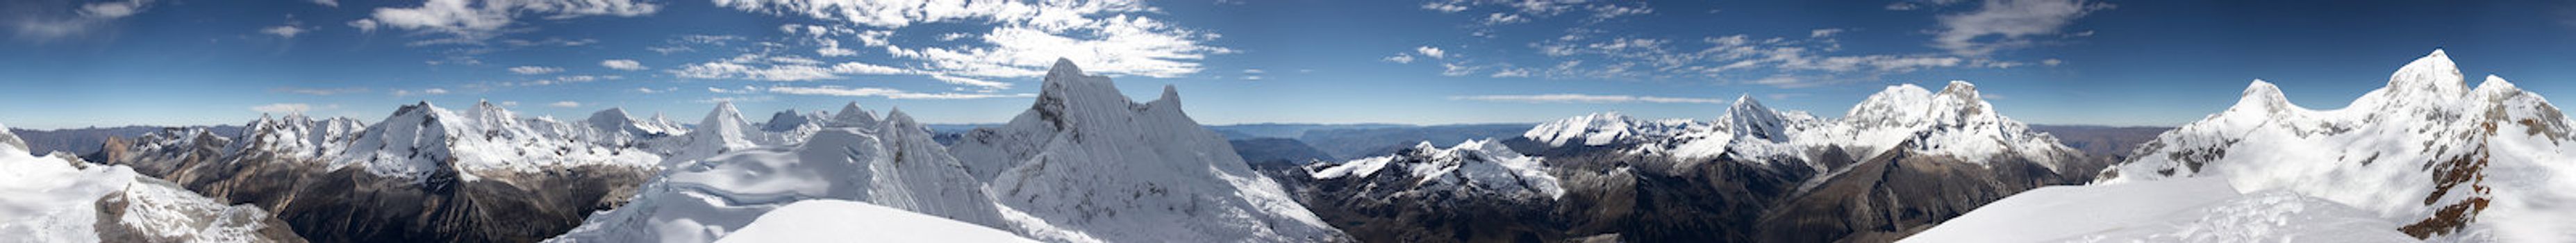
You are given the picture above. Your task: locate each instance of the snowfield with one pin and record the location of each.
(847, 221)
(2180, 210)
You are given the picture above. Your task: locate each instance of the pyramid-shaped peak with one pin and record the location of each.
(1170, 94)
(2433, 74)
(1064, 66)
(852, 114)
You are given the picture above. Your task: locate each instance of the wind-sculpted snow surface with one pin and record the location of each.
(1086, 164)
(2440, 160)
(892, 163)
(63, 199)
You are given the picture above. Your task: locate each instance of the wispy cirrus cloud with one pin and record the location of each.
(1586, 98)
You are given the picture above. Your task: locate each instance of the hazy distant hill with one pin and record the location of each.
(87, 140)
(2102, 141)
(1355, 143)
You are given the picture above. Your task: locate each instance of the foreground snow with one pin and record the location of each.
(58, 198)
(2183, 210)
(893, 163)
(847, 221)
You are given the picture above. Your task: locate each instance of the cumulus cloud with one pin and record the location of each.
(989, 85)
(887, 93)
(1433, 52)
(564, 104)
(474, 21)
(534, 70)
(1006, 38)
(434, 91)
(1585, 98)
(2011, 23)
(622, 64)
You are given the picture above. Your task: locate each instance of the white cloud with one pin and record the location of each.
(534, 70)
(1400, 58)
(1018, 38)
(330, 3)
(1585, 98)
(864, 68)
(550, 41)
(1903, 6)
(1512, 73)
(1824, 33)
(622, 64)
(44, 23)
(1256, 77)
(364, 25)
(648, 90)
(285, 31)
(510, 103)
(320, 91)
(473, 21)
(283, 108)
(887, 93)
(2011, 22)
(1444, 7)
(1433, 52)
(1254, 71)
(1504, 18)
(564, 104)
(989, 85)
(434, 91)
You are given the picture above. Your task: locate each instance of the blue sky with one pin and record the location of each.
(176, 62)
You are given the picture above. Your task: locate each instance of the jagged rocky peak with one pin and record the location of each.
(1748, 118)
(853, 115)
(2434, 74)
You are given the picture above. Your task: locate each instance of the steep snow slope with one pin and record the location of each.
(1474, 167)
(2181, 210)
(2446, 162)
(892, 163)
(1086, 164)
(62, 199)
(827, 220)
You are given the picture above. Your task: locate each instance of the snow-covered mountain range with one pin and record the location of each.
(426, 172)
(2426, 156)
(62, 198)
(1904, 159)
